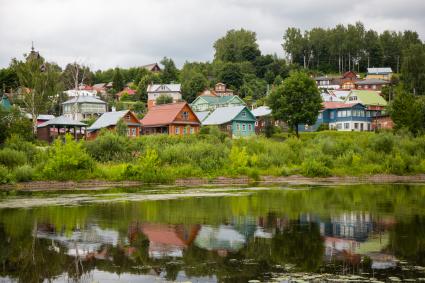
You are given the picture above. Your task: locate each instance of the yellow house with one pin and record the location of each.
(379, 73)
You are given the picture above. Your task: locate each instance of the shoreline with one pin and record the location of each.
(215, 182)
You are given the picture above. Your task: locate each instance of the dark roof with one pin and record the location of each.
(61, 121)
(371, 82)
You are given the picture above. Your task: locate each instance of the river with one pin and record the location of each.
(356, 233)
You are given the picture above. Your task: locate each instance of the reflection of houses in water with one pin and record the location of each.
(222, 239)
(166, 240)
(80, 243)
(356, 226)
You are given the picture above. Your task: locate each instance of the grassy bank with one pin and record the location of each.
(162, 159)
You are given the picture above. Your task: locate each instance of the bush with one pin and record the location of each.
(68, 161)
(383, 142)
(4, 175)
(314, 168)
(109, 147)
(18, 143)
(24, 173)
(12, 158)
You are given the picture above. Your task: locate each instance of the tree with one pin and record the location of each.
(231, 74)
(296, 101)
(193, 84)
(121, 128)
(164, 99)
(237, 46)
(413, 69)
(40, 83)
(169, 73)
(405, 111)
(118, 80)
(76, 74)
(8, 79)
(13, 122)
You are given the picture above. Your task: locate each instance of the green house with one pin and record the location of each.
(210, 103)
(237, 121)
(5, 102)
(371, 99)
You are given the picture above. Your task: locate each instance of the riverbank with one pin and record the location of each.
(216, 182)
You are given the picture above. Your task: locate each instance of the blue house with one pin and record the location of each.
(238, 121)
(342, 117)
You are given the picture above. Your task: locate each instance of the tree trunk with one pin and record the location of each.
(296, 131)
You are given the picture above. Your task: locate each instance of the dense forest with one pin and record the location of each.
(239, 63)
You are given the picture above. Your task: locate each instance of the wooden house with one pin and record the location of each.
(172, 119)
(371, 84)
(53, 128)
(220, 89)
(379, 73)
(348, 80)
(83, 107)
(210, 103)
(237, 121)
(109, 120)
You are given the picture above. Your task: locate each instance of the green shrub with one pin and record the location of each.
(12, 158)
(314, 168)
(68, 161)
(382, 142)
(4, 175)
(18, 143)
(109, 147)
(24, 173)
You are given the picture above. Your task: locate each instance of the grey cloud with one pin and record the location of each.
(109, 33)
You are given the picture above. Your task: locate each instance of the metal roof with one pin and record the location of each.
(371, 82)
(61, 121)
(261, 111)
(223, 115)
(367, 97)
(379, 71)
(84, 99)
(107, 119)
(202, 115)
(169, 87)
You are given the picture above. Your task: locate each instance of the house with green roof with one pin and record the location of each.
(210, 103)
(237, 121)
(371, 99)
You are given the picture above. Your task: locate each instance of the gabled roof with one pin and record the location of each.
(261, 111)
(202, 115)
(108, 119)
(84, 99)
(218, 99)
(61, 121)
(149, 67)
(169, 87)
(163, 114)
(368, 97)
(379, 71)
(45, 117)
(371, 82)
(224, 115)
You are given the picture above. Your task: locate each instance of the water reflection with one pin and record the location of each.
(243, 238)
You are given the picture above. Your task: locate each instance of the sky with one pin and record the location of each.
(126, 33)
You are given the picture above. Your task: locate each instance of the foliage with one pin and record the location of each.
(237, 46)
(118, 82)
(192, 84)
(121, 128)
(408, 112)
(413, 69)
(12, 122)
(296, 101)
(4, 175)
(68, 160)
(40, 84)
(232, 75)
(164, 99)
(24, 173)
(8, 79)
(109, 146)
(12, 158)
(170, 73)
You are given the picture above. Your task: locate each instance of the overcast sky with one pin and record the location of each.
(110, 33)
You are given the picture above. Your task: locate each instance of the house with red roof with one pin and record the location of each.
(125, 91)
(172, 119)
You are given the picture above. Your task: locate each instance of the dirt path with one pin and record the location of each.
(217, 182)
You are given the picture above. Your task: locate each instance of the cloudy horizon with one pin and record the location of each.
(108, 33)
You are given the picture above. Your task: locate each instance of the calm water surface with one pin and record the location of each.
(350, 233)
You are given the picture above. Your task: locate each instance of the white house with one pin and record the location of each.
(83, 107)
(155, 90)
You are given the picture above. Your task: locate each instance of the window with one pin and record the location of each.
(238, 127)
(256, 123)
(177, 130)
(332, 115)
(356, 126)
(192, 130)
(348, 113)
(368, 126)
(243, 114)
(367, 113)
(133, 132)
(184, 131)
(352, 98)
(339, 126)
(128, 132)
(346, 126)
(339, 114)
(249, 127)
(243, 127)
(185, 115)
(127, 117)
